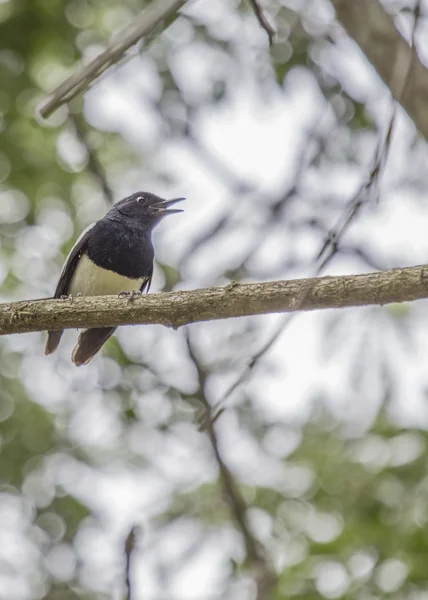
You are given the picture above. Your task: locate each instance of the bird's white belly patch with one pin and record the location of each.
(90, 280)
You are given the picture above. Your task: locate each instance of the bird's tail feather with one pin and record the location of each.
(89, 343)
(52, 343)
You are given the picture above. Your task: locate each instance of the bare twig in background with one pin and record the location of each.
(258, 11)
(241, 188)
(175, 309)
(373, 29)
(402, 72)
(258, 565)
(85, 75)
(128, 550)
(94, 164)
(364, 195)
(233, 495)
(218, 166)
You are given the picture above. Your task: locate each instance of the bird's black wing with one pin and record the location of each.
(145, 286)
(71, 263)
(54, 337)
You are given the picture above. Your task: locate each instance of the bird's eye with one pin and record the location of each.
(140, 199)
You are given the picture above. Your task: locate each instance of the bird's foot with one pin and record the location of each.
(67, 297)
(130, 295)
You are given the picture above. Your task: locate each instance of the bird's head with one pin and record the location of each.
(147, 207)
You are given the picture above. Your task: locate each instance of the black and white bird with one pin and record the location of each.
(112, 256)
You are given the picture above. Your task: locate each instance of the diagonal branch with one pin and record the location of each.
(232, 492)
(373, 29)
(175, 309)
(259, 567)
(80, 79)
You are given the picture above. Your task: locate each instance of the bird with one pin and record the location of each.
(113, 256)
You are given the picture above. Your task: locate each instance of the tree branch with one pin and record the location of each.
(373, 29)
(175, 309)
(81, 78)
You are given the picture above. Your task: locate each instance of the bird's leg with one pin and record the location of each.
(67, 297)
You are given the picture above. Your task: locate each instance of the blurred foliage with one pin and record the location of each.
(338, 502)
(362, 521)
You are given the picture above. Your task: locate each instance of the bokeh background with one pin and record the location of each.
(313, 481)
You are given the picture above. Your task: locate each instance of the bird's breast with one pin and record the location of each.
(91, 280)
(122, 248)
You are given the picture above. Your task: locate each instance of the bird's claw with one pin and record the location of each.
(67, 297)
(129, 295)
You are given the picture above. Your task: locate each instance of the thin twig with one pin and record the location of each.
(324, 257)
(240, 187)
(258, 11)
(80, 79)
(381, 156)
(364, 194)
(218, 166)
(236, 501)
(128, 550)
(238, 507)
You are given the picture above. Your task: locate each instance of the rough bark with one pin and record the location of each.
(175, 309)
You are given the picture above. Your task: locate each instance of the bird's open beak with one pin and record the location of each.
(163, 207)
